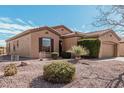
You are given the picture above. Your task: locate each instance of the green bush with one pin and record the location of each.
(59, 72)
(66, 55)
(93, 45)
(10, 70)
(54, 55)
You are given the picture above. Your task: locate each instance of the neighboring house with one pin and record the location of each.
(59, 38)
(2, 50)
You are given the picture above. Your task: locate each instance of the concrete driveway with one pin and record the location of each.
(115, 59)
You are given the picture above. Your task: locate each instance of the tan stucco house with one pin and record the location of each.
(60, 38)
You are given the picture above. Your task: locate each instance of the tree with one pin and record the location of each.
(110, 16)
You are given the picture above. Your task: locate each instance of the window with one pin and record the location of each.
(45, 44)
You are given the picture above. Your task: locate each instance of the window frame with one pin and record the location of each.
(44, 47)
(41, 44)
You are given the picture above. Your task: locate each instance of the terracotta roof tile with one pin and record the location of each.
(73, 34)
(33, 30)
(39, 29)
(100, 33)
(97, 33)
(52, 29)
(55, 27)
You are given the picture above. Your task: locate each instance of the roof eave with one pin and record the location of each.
(31, 31)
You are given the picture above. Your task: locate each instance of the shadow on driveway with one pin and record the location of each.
(115, 83)
(39, 82)
(7, 58)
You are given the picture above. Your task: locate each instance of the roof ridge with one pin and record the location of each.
(62, 26)
(54, 30)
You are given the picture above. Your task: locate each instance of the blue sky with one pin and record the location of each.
(16, 19)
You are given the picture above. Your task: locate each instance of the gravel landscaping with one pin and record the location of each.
(89, 73)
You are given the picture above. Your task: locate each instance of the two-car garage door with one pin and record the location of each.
(108, 50)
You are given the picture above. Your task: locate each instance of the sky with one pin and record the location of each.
(16, 19)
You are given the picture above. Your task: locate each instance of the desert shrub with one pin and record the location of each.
(54, 55)
(59, 72)
(78, 51)
(66, 55)
(92, 44)
(10, 70)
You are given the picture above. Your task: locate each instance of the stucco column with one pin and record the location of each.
(118, 50)
(100, 51)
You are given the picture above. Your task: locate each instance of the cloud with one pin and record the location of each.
(120, 33)
(2, 43)
(9, 32)
(83, 26)
(13, 26)
(31, 23)
(20, 21)
(5, 20)
(75, 29)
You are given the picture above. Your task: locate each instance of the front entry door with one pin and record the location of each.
(60, 48)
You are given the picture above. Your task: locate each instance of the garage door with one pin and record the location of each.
(108, 50)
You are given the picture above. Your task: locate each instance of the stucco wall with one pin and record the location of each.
(23, 48)
(108, 38)
(35, 41)
(121, 49)
(69, 42)
(62, 30)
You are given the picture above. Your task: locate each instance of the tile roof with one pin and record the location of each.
(73, 34)
(97, 33)
(58, 26)
(34, 30)
(100, 33)
(94, 34)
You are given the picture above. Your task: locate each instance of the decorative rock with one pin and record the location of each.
(41, 59)
(23, 64)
